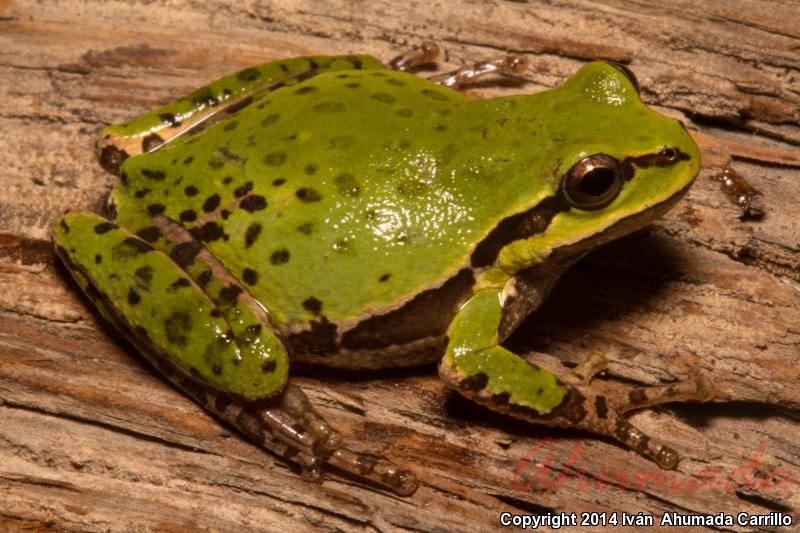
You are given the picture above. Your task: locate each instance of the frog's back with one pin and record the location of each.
(336, 196)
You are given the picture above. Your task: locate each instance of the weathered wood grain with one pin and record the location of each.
(92, 440)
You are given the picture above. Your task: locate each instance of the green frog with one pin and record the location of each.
(334, 211)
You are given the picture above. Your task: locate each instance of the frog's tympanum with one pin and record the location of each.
(332, 211)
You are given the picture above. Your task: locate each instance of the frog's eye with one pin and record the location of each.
(628, 74)
(593, 182)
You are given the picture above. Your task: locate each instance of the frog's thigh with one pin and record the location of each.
(156, 303)
(480, 369)
(208, 104)
(208, 344)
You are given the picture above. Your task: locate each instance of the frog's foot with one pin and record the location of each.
(424, 53)
(510, 66)
(482, 370)
(293, 429)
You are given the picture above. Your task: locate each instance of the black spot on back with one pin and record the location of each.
(155, 209)
(231, 125)
(230, 293)
(242, 190)
(133, 297)
(190, 190)
(181, 282)
(307, 194)
(306, 90)
(385, 277)
(144, 275)
(129, 248)
(104, 227)
(185, 253)
(252, 233)
(141, 193)
(268, 367)
(312, 305)
(347, 185)
(149, 234)
(188, 216)
(275, 159)
(310, 169)
(278, 182)
(204, 278)
(156, 175)
(209, 232)
(248, 74)
(254, 202)
(188, 160)
(405, 112)
(270, 119)
(203, 96)
(279, 257)
(177, 327)
(306, 228)
(386, 98)
(211, 203)
(98, 259)
(250, 276)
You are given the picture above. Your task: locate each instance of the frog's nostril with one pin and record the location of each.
(628, 74)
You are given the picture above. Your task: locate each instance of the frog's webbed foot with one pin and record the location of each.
(293, 429)
(604, 414)
(479, 368)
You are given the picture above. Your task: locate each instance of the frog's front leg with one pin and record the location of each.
(479, 368)
(210, 340)
(427, 52)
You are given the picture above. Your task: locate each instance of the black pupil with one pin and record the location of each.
(597, 182)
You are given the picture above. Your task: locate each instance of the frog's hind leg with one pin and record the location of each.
(479, 368)
(191, 319)
(216, 101)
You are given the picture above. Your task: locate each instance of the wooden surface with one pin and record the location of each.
(92, 440)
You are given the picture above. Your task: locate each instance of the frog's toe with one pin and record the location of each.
(637, 440)
(592, 364)
(698, 388)
(377, 469)
(599, 415)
